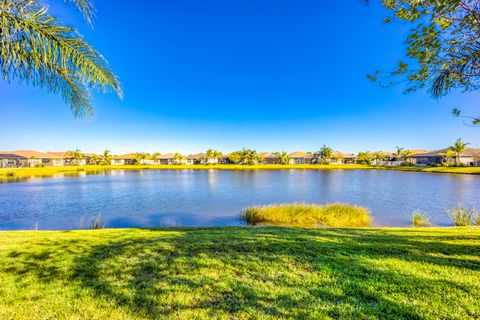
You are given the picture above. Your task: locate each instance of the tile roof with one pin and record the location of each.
(31, 154)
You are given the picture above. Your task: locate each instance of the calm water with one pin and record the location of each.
(214, 198)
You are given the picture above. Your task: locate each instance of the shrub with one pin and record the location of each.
(97, 223)
(40, 165)
(462, 217)
(308, 215)
(10, 174)
(419, 219)
(406, 164)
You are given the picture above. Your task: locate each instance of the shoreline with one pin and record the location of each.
(6, 173)
(436, 228)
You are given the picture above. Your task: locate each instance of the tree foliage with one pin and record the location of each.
(325, 154)
(458, 147)
(443, 46)
(38, 49)
(283, 157)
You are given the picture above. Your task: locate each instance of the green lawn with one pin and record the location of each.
(241, 273)
(9, 173)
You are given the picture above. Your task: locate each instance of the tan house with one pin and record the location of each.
(268, 158)
(123, 159)
(342, 158)
(300, 157)
(198, 158)
(167, 158)
(70, 161)
(470, 157)
(28, 158)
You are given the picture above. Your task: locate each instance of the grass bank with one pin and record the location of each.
(241, 273)
(6, 173)
(308, 215)
(454, 170)
(13, 173)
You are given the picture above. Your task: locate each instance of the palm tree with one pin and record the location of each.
(378, 156)
(325, 154)
(155, 156)
(402, 154)
(106, 157)
(213, 155)
(249, 156)
(37, 48)
(398, 154)
(283, 157)
(458, 148)
(364, 157)
(140, 157)
(209, 155)
(76, 155)
(94, 159)
(179, 158)
(447, 155)
(217, 156)
(235, 157)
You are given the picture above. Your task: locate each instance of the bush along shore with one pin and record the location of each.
(308, 215)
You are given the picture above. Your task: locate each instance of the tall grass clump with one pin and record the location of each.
(462, 217)
(308, 215)
(419, 219)
(97, 223)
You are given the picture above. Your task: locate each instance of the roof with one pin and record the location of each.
(31, 154)
(263, 155)
(196, 156)
(60, 154)
(128, 156)
(300, 154)
(338, 154)
(167, 156)
(420, 151)
(469, 152)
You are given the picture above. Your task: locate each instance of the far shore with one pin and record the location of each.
(48, 171)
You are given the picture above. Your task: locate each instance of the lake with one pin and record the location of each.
(165, 198)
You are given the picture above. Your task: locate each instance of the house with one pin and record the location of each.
(268, 158)
(28, 158)
(128, 158)
(470, 157)
(426, 157)
(301, 158)
(199, 158)
(341, 158)
(71, 161)
(167, 158)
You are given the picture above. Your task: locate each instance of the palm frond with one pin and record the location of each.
(37, 49)
(86, 7)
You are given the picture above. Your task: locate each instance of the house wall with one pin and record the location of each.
(270, 160)
(117, 162)
(11, 162)
(166, 161)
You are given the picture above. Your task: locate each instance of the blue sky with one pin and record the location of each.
(269, 75)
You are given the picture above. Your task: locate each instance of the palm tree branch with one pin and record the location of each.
(35, 48)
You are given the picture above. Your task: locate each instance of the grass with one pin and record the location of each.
(419, 219)
(18, 173)
(241, 273)
(308, 215)
(462, 217)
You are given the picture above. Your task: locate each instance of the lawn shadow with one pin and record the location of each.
(265, 272)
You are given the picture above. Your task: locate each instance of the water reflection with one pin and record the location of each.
(161, 198)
